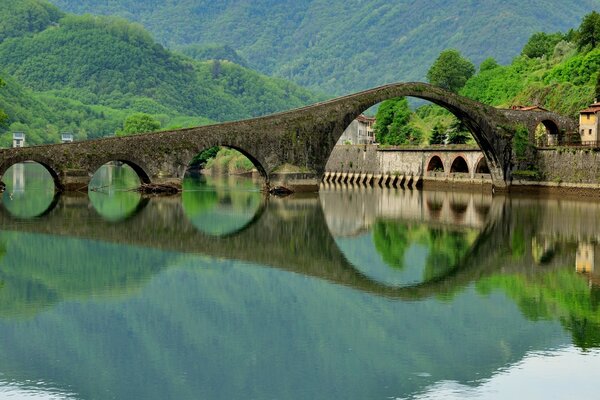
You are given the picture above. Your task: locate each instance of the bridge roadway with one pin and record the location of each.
(303, 138)
(292, 234)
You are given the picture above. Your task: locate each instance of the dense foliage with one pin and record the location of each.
(450, 71)
(393, 124)
(551, 72)
(24, 17)
(139, 123)
(86, 74)
(213, 52)
(339, 46)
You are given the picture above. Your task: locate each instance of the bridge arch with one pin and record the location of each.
(47, 163)
(481, 166)
(258, 163)
(459, 164)
(481, 120)
(435, 164)
(138, 166)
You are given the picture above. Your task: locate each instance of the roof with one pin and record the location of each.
(364, 118)
(591, 109)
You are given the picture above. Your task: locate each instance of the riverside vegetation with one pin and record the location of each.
(87, 74)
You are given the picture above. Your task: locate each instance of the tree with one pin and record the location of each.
(393, 123)
(438, 134)
(450, 71)
(3, 116)
(598, 88)
(589, 31)
(139, 123)
(458, 133)
(541, 44)
(488, 64)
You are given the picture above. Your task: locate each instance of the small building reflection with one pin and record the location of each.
(18, 178)
(585, 262)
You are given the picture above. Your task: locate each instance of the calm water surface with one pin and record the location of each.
(221, 293)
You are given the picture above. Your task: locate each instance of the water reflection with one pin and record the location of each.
(403, 238)
(220, 206)
(368, 294)
(112, 192)
(29, 191)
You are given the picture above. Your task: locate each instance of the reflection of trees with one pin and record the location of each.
(557, 294)
(216, 209)
(445, 247)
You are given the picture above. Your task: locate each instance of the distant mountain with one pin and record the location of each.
(87, 73)
(339, 46)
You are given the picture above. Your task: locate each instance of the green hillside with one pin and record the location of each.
(85, 74)
(340, 46)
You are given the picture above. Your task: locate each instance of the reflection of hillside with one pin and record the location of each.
(39, 270)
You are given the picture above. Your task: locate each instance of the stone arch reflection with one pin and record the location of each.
(30, 190)
(405, 239)
(222, 206)
(112, 192)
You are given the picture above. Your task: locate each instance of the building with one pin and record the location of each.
(360, 131)
(66, 137)
(588, 124)
(18, 139)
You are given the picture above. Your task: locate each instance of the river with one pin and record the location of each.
(354, 293)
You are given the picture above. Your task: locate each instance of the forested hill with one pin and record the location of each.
(86, 73)
(340, 46)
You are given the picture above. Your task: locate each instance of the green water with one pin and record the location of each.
(223, 293)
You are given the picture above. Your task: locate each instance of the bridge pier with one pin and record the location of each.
(297, 182)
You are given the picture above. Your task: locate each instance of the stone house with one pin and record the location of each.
(589, 123)
(360, 131)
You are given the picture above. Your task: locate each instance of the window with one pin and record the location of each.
(590, 132)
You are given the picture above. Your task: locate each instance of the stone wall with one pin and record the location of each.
(406, 162)
(354, 159)
(569, 165)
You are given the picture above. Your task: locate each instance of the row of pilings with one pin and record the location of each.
(374, 180)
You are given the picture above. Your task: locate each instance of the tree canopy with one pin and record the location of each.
(3, 116)
(438, 135)
(139, 123)
(450, 71)
(393, 123)
(589, 31)
(541, 44)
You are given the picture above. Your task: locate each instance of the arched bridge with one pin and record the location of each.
(302, 137)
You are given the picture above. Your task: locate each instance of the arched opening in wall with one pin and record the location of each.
(547, 134)
(113, 190)
(435, 165)
(459, 165)
(30, 189)
(222, 191)
(482, 166)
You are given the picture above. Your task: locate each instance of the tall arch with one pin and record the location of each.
(484, 122)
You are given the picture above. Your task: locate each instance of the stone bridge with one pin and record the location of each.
(303, 137)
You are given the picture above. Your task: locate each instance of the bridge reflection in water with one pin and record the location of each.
(377, 247)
